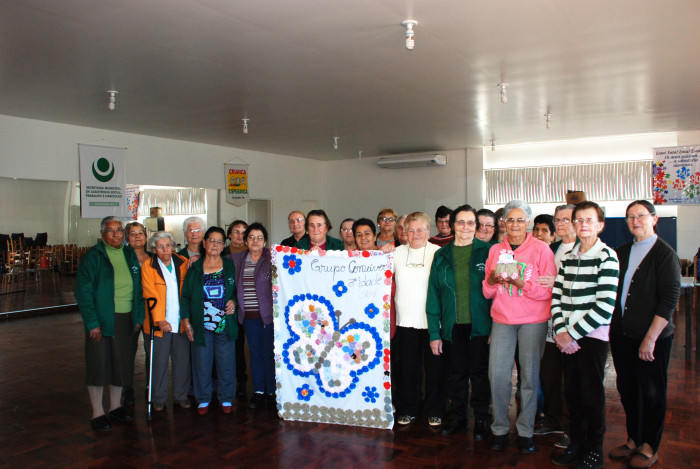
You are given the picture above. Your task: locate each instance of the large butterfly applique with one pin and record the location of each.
(336, 356)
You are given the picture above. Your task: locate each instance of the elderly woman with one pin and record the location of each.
(162, 278)
(485, 225)
(347, 235)
(459, 321)
(108, 292)
(297, 226)
(401, 230)
(193, 227)
(235, 233)
(520, 311)
(410, 345)
(583, 299)
(254, 293)
(386, 221)
(209, 321)
(641, 333)
(318, 225)
(135, 234)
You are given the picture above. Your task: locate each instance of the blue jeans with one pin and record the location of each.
(217, 347)
(262, 355)
(530, 339)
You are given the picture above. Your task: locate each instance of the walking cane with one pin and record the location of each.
(151, 303)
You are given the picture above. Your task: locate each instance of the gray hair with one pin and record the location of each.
(106, 220)
(564, 207)
(521, 204)
(191, 220)
(157, 236)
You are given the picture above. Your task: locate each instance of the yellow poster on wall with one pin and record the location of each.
(237, 180)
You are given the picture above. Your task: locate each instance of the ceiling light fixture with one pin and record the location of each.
(409, 24)
(335, 143)
(245, 126)
(504, 93)
(112, 98)
(493, 143)
(548, 120)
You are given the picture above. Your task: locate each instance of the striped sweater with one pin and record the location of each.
(584, 292)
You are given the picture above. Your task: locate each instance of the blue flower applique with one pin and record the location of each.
(370, 394)
(292, 263)
(371, 310)
(304, 393)
(340, 289)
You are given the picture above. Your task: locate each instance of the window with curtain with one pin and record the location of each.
(626, 180)
(180, 201)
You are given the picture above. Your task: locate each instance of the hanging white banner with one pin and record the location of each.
(236, 184)
(331, 313)
(102, 181)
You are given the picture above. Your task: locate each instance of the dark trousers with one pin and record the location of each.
(262, 355)
(459, 370)
(642, 387)
(585, 394)
(556, 413)
(479, 376)
(412, 353)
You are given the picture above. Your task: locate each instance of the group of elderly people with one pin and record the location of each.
(468, 303)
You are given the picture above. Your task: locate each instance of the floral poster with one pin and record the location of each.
(331, 319)
(676, 175)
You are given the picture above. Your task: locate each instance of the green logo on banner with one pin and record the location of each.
(103, 170)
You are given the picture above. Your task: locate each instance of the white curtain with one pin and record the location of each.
(185, 201)
(628, 180)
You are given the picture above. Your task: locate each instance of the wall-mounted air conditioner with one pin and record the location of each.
(412, 160)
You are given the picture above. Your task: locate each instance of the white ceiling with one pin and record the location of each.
(304, 71)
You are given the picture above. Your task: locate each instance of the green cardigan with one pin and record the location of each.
(332, 244)
(192, 300)
(94, 289)
(441, 305)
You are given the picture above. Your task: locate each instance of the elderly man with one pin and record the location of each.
(194, 228)
(442, 221)
(297, 226)
(108, 291)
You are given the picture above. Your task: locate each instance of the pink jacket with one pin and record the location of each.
(531, 304)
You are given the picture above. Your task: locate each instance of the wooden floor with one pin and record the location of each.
(44, 421)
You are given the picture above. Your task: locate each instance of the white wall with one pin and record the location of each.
(359, 188)
(31, 149)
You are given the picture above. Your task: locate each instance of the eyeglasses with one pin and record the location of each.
(587, 221)
(415, 264)
(256, 238)
(295, 220)
(465, 222)
(519, 221)
(111, 231)
(562, 220)
(386, 219)
(194, 230)
(215, 242)
(238, 232)
(346, 230)
(487, 226)
(640, 217)
(164, 247)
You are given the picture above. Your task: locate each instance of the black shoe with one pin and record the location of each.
(128, 396)
(121, 414)
(453, 427)
(270, 401)
(572, 455)
(500, 442)
(256, 400)
(592, 459)
(481, 430)
(526, 445)
(101, 424)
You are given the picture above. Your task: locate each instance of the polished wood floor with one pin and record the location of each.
(44, 422)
